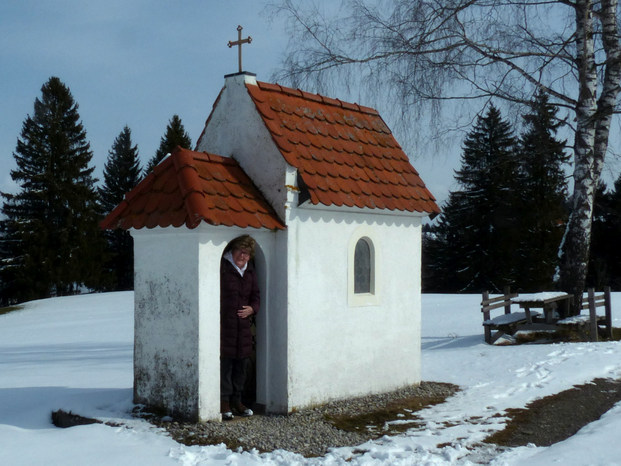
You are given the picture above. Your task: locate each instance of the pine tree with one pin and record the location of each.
(614, 220)
(470, 248)
(602, 231)
(542, 197)
(605, 259)
(121, 174)
(52, 244)
(175, 136)
(8, 279)
(440, 244)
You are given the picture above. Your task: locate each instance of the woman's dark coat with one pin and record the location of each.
(235, 292)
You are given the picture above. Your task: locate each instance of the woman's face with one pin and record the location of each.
(240, 257)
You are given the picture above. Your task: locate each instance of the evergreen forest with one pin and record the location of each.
(502, 226)
(50, 240)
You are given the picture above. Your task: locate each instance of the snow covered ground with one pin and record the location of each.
(75, 353)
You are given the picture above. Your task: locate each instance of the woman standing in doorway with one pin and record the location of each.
(239, 299)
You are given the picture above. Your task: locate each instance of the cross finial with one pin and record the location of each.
(239, 43)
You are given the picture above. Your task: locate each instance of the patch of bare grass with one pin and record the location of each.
(557, 417)
(396, 417)
(6, 310)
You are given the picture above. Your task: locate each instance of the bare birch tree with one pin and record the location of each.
(421, 53)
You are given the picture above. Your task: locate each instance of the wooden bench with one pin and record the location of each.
(505, 323)
(591, 302)
(588, 326)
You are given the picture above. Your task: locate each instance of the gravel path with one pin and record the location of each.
(309, 431)
(313, 431)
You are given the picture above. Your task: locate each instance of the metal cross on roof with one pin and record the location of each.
(239, 43)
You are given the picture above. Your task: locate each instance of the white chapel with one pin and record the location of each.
(336, 210)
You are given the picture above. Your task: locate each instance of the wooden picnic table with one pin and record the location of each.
(549, 301)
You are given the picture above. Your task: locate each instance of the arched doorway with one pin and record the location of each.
(260, 339)
(255, 376)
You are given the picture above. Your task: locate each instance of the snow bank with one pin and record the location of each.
(75, 353)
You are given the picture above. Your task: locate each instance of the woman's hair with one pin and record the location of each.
(242, 242)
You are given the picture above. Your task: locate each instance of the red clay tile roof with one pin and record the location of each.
(189, 187)
(345, 154)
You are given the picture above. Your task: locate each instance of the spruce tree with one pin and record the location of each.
(121, 174)
(52, 244)
(542, 197)
(602, 232)
(441, 243)
(605, 260)
(175, 136)
(8, 279)
(470, 248)
(614, 220)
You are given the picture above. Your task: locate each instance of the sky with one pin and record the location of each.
(133, 63)
(138, 63)
(75, 353)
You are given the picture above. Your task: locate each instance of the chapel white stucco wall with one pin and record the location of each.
(337, 349)
(166, 321)
(177, 319)
(235, 129)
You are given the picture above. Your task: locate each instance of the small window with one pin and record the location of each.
(362, 267)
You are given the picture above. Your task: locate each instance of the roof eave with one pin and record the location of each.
(308, 205)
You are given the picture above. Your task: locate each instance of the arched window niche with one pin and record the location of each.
(362, 267)
(362, 272)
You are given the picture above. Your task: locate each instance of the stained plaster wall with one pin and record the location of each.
(340, 347)
(166, 321)
(177, 320)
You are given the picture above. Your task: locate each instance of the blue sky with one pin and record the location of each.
(133, 62)
(138, 62)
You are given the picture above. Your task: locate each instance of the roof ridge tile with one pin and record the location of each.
(268, 86)
(311, 96)
(315, 97)
(349, 106)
